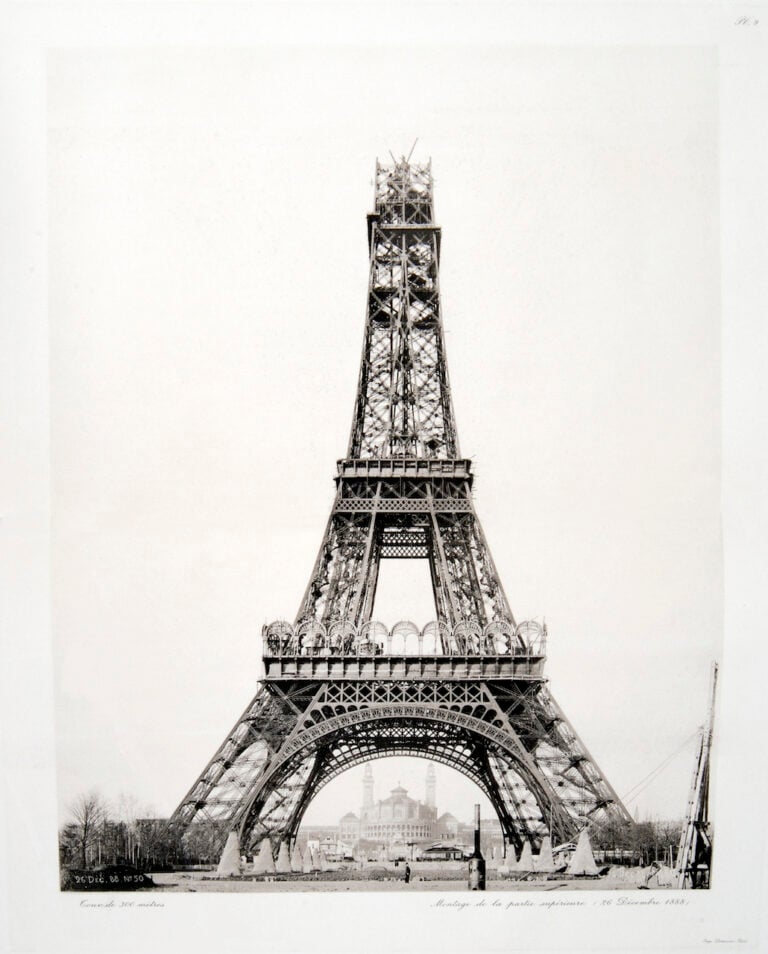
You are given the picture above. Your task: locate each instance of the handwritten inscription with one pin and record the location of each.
(107, 880)
(551, 903)
(113, 905)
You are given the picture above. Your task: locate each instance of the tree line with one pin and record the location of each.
(100, 833)
(645, 841)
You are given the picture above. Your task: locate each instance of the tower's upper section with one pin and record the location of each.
(403, 407)
(403, 194)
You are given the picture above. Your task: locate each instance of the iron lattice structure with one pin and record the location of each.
(467, 689)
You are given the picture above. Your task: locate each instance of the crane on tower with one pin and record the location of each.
(694, 855)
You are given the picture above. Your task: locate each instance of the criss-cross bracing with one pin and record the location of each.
(340, 688)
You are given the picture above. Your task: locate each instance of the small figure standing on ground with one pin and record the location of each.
(407, 873)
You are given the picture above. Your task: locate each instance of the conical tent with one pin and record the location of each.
(544, 861)
(229, 864)
(264, 863)
(307, 862)
(582, 862)
(296, 861)
(526, 858)
(322, 861)
(283, 863)
(666, 876)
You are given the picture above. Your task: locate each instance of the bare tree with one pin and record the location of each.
(127, 808)
(87, 816)
(128, 812)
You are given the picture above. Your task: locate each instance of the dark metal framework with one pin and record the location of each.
(468, 689)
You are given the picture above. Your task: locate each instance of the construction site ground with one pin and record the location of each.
(204, 882)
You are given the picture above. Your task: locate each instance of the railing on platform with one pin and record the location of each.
(344, 638)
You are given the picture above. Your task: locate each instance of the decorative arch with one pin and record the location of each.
(473, 746)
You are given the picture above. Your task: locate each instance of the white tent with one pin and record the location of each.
(264, 863)
(526, 858)
(229, 863)
(283, 864)
(582, 862)
(307, 861)
(322, 861)
(665, 877)
(296, 862)
(544, 861)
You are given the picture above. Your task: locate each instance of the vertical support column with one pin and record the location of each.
(307, 607)
(444, 590)
(478, 599)
(501, 603)
(362, 605)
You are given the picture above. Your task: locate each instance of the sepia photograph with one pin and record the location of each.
(569, 281)
(386, 451)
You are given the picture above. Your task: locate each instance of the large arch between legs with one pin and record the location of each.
(480, 750)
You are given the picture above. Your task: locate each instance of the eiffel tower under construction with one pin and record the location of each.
(466, 689)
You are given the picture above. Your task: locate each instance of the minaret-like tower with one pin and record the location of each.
(340, 688)
(368, 786)
(431, 799)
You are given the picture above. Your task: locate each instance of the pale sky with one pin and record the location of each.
(208, 269)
